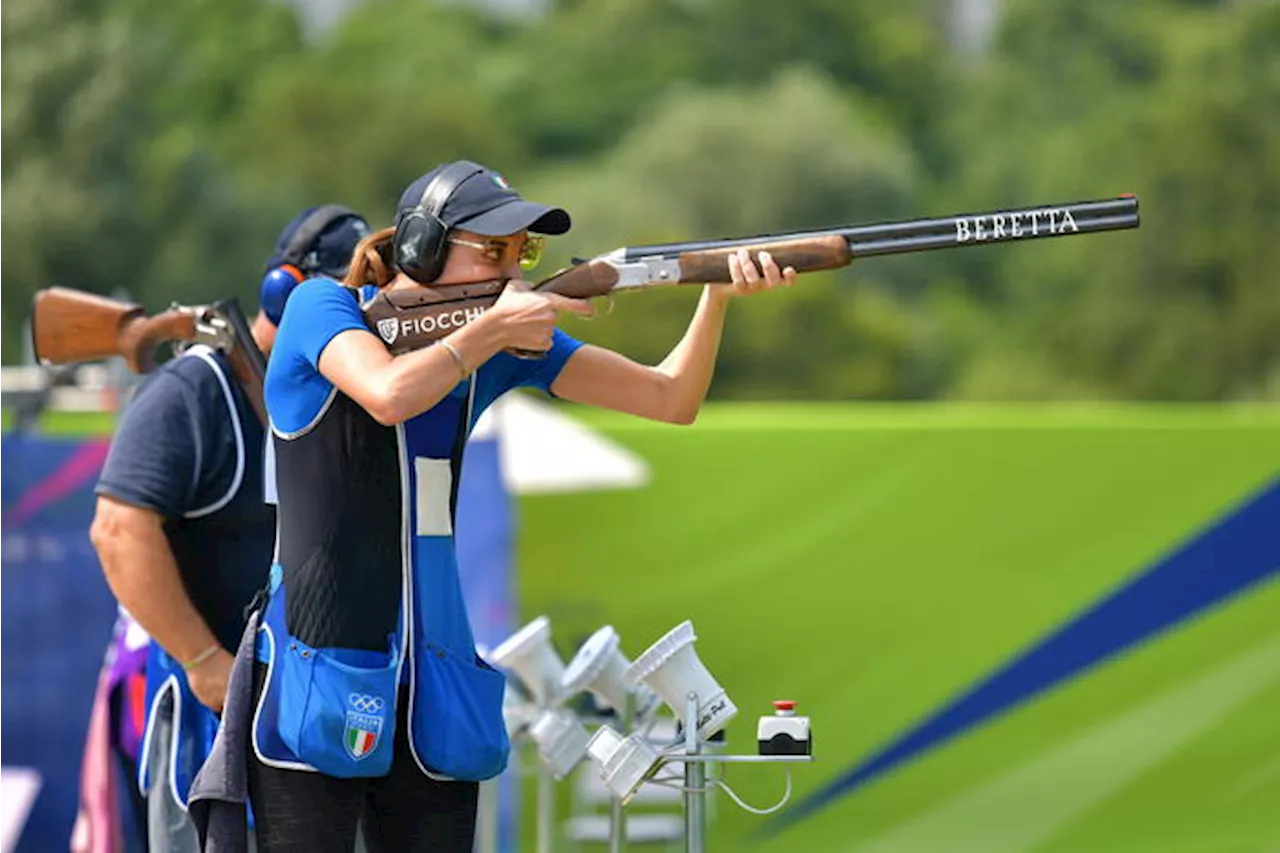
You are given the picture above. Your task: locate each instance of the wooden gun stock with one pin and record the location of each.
(411, 319)
(711, 266)
(69, 326)
(586, 280)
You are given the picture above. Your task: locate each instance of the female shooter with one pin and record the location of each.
(366, 670)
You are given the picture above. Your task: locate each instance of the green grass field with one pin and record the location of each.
(870, 562)
(66, 423)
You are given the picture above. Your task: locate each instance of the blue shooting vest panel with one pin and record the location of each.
(192, 727)
(455, 699)
(365, 592)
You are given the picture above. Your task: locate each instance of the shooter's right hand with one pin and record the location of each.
(528, 318)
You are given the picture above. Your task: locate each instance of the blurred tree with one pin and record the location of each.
(401, 86)
(109, 178)
(704, 165)
(1084, 100)
(159, 147)
(67, 115)
(211, 51)
(589, 69)
(579, 77)
(895, 54)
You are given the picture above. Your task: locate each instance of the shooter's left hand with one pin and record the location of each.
(748, 278)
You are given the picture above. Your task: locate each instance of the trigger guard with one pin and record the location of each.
(608, 303)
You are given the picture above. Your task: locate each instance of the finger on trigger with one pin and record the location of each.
(567, 303)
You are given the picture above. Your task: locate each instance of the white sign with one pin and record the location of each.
(18, 789)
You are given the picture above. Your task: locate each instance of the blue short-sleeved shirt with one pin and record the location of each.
(320, 309)
(190, 449)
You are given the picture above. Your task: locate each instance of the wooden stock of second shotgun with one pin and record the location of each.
(70, 326)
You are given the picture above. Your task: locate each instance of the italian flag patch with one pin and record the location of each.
(360, 742)
(363, 728)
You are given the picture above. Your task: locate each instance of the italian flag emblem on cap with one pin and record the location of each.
(500, 182)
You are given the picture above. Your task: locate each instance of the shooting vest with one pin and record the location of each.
(223, 551)
(365, 608)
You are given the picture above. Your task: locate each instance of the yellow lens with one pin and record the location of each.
(531, 252)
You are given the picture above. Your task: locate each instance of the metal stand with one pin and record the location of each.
(487, 817)
(695, 775)
(695, 782)
(489, 805)
(546, 809)
(617, 815)
(695, 761)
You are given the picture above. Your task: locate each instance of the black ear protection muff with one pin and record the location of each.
(419, 243)
(287, 273)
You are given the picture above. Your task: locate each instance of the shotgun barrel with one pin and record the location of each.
(409, 319)
(916, 235)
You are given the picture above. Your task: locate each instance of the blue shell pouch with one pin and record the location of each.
(336, 707)
(458, 728)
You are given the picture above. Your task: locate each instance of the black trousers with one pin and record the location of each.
(301, 812)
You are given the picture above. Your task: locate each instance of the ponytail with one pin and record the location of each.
(371, 262)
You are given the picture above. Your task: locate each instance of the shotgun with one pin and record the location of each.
(413, 318)
(70, 326)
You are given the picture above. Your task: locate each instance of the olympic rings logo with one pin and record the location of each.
(366, 704)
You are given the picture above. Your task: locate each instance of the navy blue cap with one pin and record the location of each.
(329, 252)
(486, 204)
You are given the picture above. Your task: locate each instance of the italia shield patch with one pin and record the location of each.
(364, 725)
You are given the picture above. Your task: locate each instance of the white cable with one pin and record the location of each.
(785, 797)
(675, 781)
(666, 782)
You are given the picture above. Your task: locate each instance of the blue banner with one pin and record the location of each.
(57, 615)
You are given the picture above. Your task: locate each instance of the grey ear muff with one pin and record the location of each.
(419, 242)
